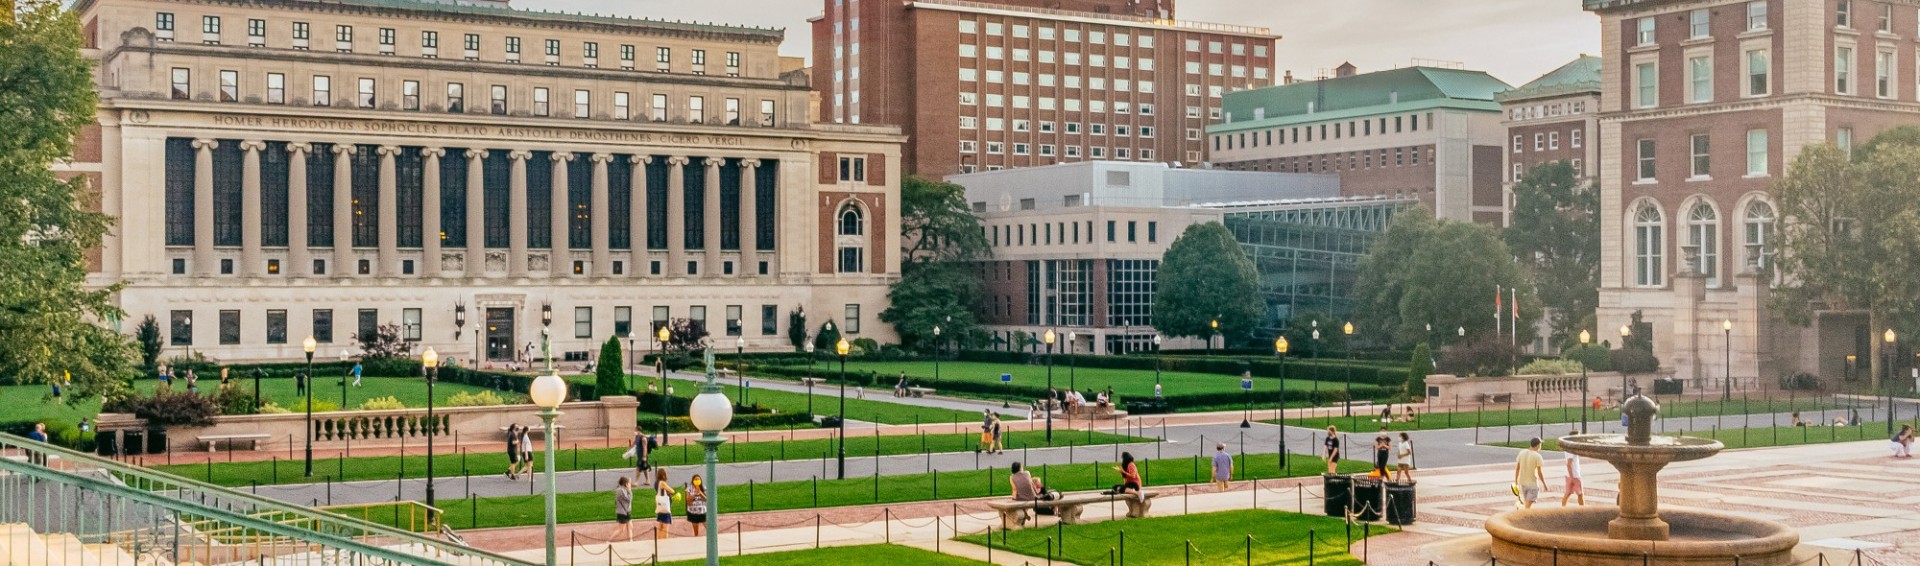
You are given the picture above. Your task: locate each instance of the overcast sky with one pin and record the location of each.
(1516, 40)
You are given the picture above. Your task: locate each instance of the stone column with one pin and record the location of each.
(389, 212)
(749, 218)
(430, 212)
(676, 215)
(250, 263)
(297, 255)
(204, 263)
(602, 253)
(343, 264)
(560, 256)
(517, 215)
(637, 216)
(476, 260)
(710, 219)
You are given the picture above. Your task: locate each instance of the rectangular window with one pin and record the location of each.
(733, 112)
(471, 42)
(181, 333)
(1698, 24)
(553, 48)
(229, 327)
(590, 50)
(322, 90)
(626, 56)
(210, 25)
(229, 86)
(513, 49)
(1645, 158)
(277, 326)
(256, 32)
(1702, 156)
(410, 323)
(163, 21)
(456, 98)
(1886, 18)
(769, 320)
(369, 323)
(735, 327)
(582, 322)
(1700, 74)
(622, 106)
(540, 101)
(182, 84)
(1843, 70)
(430, 40)
(276, 88)
(659, 108)
(623, 321)
(410, 96)
(1645, 35)
(1646, 85)
(323, 326)
(498, 104)
(853, 169)
(1757, 15)
(367, 98)
(766, 113)
(1757, 153)
(1883, 74)
(852, 324)
(1759, 71)
(663, 55)
(699, 57)
(697, 109)
(582, 104)
(1843, 13)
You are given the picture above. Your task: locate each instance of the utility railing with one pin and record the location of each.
(119, 513)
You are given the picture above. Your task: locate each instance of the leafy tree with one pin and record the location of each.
(1556, 232)
(797, 329)
(1422, 366)
(148, 335)
(49, 317)
(828, 336)
(1205, 276)
(1445, 273)
(686, 336)
(933, 295)
(609, 371)
(1852, 241)
(936, 225)
(384, 343)
(1299, 333)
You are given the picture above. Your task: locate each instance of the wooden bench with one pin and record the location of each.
(1015, 514)
(920, 391)
(213, 441)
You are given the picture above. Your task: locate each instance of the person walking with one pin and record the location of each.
(356, 373)
(1382, 448)
(1574, 488)
(1528, 475)
(697, 505)
(986, 431)
(662, 504)
(900, 388)
(1403, 459)
(513, 451)
(1331, 449)
(299, 383)
(640, 452)
(1222, 467)
(526, 451)
(994, 424)
(622, 510)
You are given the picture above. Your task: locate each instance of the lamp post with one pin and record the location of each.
(1893, 343)
(1049, 337)
(1156, 361)
(1315, 352)
(740, 366)
(660, 357)
(810, 360)
(547, 392)
(1348, 329)
(343, 380)
(460, 327)
(1585, 338)
(430, 363)
(936, 352)
(711, 412)
(1213, 329)
(1072, 364)
(842, 347)
(309, 345)
(630, 345)
(1726, 390)
(1280, 347)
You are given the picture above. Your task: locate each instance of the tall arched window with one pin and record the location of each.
(1648, 242)
(851, 244)
(1703, 234)
(1759, 219)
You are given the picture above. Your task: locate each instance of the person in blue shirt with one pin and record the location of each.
(39, 434)
(356, 374)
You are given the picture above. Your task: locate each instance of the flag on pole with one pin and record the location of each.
(1514, 293)
(1497, 310)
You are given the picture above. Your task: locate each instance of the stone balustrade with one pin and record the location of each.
(610, 419)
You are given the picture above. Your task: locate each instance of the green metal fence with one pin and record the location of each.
(59, 507)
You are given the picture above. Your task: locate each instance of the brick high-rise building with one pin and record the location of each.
(1553, 119)
(1704, 104)
(983, 85)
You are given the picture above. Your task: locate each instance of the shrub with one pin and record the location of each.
(474, 399)
(387, 403)
(865, 346)
(384, 342)
(168, 408)
(1480, 357)
(234, 401)
(1421, 365)
(1800, 382)
(1634, 360)
(609, 371)
(319, 406)
(271, 408)
(1596, 357)
(1550, 366)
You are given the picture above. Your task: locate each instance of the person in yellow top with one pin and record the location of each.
(1528, 476)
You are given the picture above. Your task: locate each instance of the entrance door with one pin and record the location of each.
(500, 334)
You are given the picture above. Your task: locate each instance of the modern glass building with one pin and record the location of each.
(1308, 253)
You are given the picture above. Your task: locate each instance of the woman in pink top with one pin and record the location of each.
(1129, 476)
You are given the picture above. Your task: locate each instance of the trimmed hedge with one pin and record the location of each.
(1025, 392)
(400, 367)
(1389, 375)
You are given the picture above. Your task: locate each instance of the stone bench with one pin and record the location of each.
(1095, 412)
(213, 440)
(812, 381)
(920, 391)
(1014, 514)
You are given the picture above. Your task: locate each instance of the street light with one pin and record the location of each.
(936, 352)
(1726, 394)
(1213, 329)
(740, 365)
(1049, 337)
(547, 392)
(1072, 364)
(430, 363)
(309, 345)
(1156, 362)
(460, 327)
(630, 360)
(1893, 343)
(1314, 400)
(711, 412)
(842, 347)
(1585, 338)
(660, 357)
(1280, 347)
(1348, 329)
(810, 380)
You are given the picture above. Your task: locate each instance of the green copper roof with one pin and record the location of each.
(1370, 93)
(775, 34)
(1581, 75)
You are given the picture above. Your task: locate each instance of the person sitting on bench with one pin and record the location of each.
(1129, 477)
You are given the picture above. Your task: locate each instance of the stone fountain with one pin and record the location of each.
(1636, 532)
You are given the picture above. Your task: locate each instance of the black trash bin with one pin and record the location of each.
(1400, 503)
(1367, 498)
(133, 442)
(1338, 491)
(104, 446)
(157, 441)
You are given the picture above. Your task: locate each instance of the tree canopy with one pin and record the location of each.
(1445, 273)
(932, 295)
(50, 319)
(937, 288)
(1556, 232)
(1851, 235)
(936, 225)
(1206, 276)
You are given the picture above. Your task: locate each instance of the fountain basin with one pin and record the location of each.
(1580, 537)
(1656, 449)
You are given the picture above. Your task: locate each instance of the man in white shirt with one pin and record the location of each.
(1573, 478)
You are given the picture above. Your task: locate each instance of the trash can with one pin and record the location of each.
(133, 442)
(1367, 498)
(1336, 490)
(157, 441)
(1400, 499)
(104, 446)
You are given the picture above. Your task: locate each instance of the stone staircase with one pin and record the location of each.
(21, 546)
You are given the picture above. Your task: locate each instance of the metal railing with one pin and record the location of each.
(59, 506)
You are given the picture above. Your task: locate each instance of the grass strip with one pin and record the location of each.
(1251, 536)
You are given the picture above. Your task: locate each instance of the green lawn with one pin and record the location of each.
(1125, 382)
(451, 465)
(1764, 437)
(35, 403)
(1367, 418)
(30, 402)
(1275, 537)
(826, 401)
(841, 556)
(598, 506)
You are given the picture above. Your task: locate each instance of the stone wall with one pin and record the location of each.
(611, 419)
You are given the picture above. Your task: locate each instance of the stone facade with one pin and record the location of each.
(287, 168)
